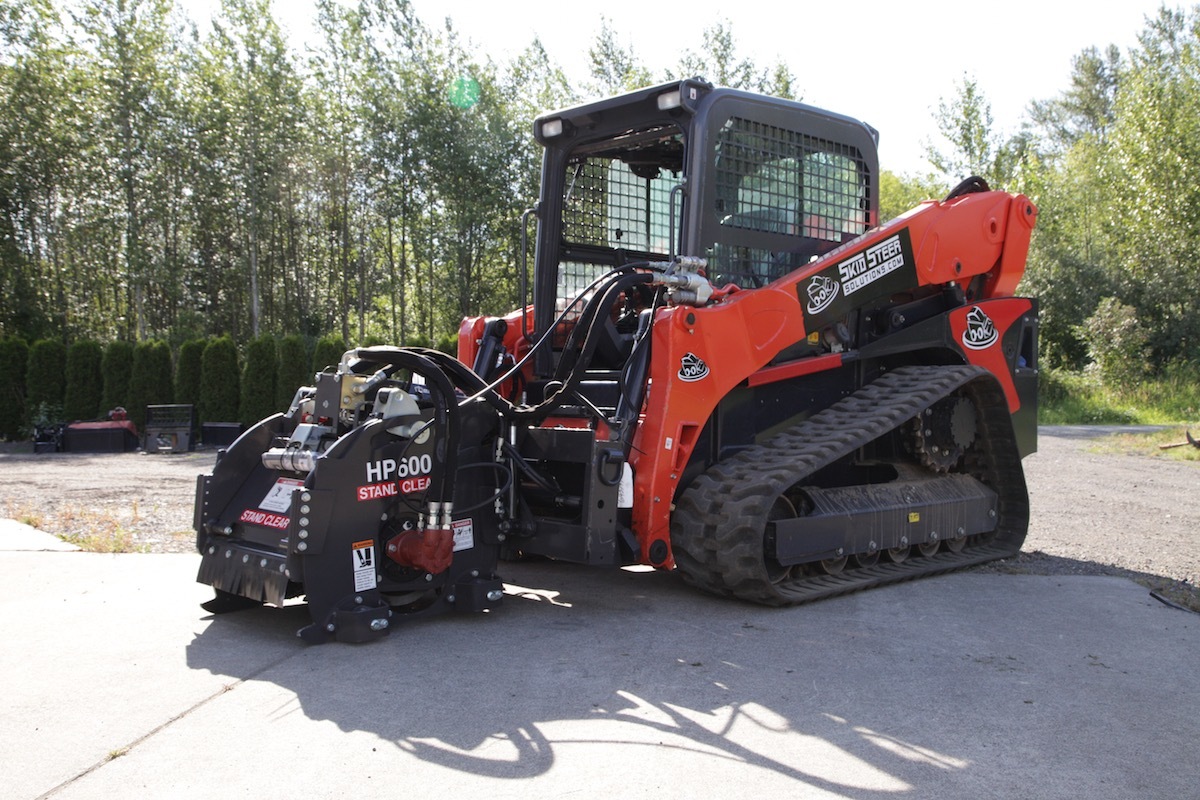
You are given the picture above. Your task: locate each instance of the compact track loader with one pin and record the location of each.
(728, 368)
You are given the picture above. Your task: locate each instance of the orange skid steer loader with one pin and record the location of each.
(728, 368)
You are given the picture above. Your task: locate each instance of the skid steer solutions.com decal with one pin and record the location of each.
(875, 271)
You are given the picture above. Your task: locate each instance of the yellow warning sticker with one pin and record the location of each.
(914, 516)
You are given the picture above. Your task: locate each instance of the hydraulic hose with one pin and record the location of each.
(591, 341)
(488, 391)
(445, 409)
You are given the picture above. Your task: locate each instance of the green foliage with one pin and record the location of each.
(14, 362)
(187, 372)
(1154, 180)
(1087, 108)
(85, 380)
(118, 368)
(150, 379)
(46, 375)
(294, 370)
(259, 369)
(1118, 344)
(975, 148)
(328, 352)
(219, 381)
(1069, 267)
(614, 67)
(719, 62)
(1170, 396)
(898, 194)
(965, 122)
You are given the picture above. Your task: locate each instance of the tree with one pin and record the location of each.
(898, 194)
(1088, 107)
(150, 379)
(614, 68)
(249, 112)
(1153, 182)
(39, 121)
(328, 352)
(965, 123)
(719, 62)
(131, 93)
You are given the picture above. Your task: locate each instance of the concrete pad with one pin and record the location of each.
(94, 658)
(16, 536)
(605, 683)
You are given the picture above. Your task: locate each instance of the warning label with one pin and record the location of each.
(464, 534)
(279, 499)
(363, 557)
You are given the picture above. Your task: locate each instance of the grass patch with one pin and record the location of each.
(1073, 398)
(1169, 443)
(91, 531)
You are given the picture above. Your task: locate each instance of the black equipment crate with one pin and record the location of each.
(99, 437)
(170, 428)
(220, 434)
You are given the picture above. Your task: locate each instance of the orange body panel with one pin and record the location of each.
(986, 350)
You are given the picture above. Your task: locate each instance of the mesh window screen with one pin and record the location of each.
(605, 204)
(777, 181)
(616, 205)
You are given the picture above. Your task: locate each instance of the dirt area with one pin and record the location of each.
(1093, 513)
(117, 502)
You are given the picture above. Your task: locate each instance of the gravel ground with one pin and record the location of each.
(1105, 513)
(1092, 513)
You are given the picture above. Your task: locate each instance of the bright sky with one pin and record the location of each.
(886, 63)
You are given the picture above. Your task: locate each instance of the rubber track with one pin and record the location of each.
(718, 524)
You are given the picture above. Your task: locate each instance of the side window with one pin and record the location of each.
(782, 183)
(616, 204)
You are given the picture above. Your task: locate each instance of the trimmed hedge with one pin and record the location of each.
(149, 380)
(46, 377)
(294, 370)
(219, 381)
(328, 352)
(85, 380)
(187, 372)
(14, 362)
(117, 367)
(259, 369)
